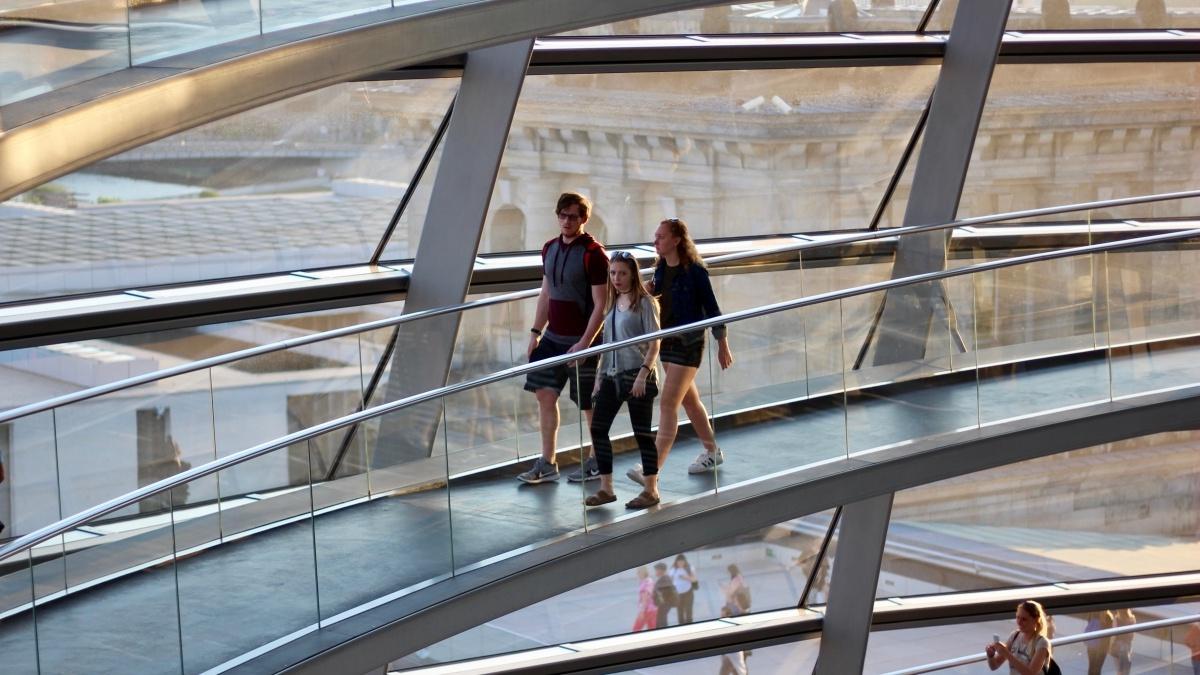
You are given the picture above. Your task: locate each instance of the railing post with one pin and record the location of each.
(474, 143)
(856, 564)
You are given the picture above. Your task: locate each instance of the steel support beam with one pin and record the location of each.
(441, 275)
(958, 100)
(852, 588)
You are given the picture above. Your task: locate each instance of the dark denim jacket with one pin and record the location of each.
(692, 297)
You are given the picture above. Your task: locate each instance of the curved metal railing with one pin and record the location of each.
(223, 359)
(27, 541)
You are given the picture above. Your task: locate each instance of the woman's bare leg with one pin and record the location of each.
(693, 405)
(675, 387)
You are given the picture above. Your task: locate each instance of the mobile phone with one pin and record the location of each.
(995, 638)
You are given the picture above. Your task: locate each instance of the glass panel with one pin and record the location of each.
(269, 396)
(395, 540)
(900, 348)
(79, 631)
(1034, 324)
(114, 444)
(47, 46)
(787, 659)
(158, 30)
(18, 636)
(1154, 317)
(1074, 516)
(1102, 14)
(484, 495)
(280, 14)
(757, 152)
(307, 182)
(773, 563)
(264, 585)
(1067, 133)
(1159, 650)
(776, 17)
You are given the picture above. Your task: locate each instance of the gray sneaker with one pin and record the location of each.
(590, 470)
(540, 472)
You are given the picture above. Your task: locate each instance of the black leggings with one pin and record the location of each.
(604, 411)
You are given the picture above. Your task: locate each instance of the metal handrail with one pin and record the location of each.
(193, 366)
(1056, 642)
(65, 525)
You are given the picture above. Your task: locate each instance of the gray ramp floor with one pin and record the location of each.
(227, 600)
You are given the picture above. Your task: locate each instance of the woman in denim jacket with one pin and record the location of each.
(685, 295)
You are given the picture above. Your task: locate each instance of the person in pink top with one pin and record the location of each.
(647, 611)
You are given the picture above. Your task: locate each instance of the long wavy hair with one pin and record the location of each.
(636, 286)
(688, 255)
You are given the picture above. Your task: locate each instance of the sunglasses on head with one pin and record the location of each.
(621, 255)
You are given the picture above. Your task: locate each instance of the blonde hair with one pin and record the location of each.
(1034, 609)
(688, 255)
(636, 286)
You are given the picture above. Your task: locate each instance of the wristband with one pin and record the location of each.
(646, 366)
(535, 331)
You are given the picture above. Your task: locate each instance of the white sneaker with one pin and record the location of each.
(635, 474)
(707, 461)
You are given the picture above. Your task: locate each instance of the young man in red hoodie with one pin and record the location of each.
(570, 312)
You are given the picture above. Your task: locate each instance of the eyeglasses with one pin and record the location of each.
(569, 216)
(621, 255)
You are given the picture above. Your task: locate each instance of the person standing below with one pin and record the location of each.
(1098, 648)
(737, 593)
(625, 375)
(685, 588)
(1192, 640)
(1027, 651)
(685, 295)
(647, 613)
(1122, 645)
(664, 594)
(570, 309)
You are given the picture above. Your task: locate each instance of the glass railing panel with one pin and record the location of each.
(31, 487)
(280, 14)
(245, 594)
(397, 539)
(18, 633)
(304, 183)
(262, 398)
(774, 17)
(900, 346)
(1155, 650)
(1075, 516)
(1034, 323)
(767, 399)
(823, 165)
(159, 30)
(787, 659)
(113, 444)
(1153, 316)
(773, 563)
(493, 511)
(74, 636)
(49, 45)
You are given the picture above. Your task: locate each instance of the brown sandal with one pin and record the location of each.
(601, 497)
(643, 501)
